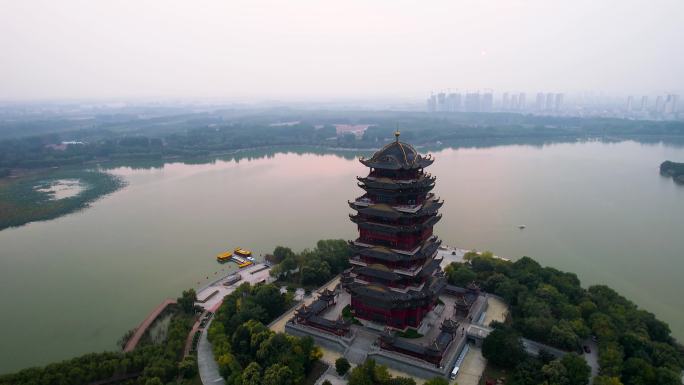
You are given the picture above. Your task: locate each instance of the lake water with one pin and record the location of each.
(77, 283)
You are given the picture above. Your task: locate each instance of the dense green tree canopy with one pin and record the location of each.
(503, 347)
(316, 266)
(550, 306)
(247, 351)
(370, 373)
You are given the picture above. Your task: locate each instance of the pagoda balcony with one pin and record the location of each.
(413, 251)
(394, 228)
(419, 183)
(410, 272)
(396, 288)
(365, 201)
(406, 179)
(357, 261)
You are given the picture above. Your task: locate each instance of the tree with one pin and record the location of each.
(666, 376)
(437, 381)
(528, 372)
(460, 274)
(188, 367)
(603, 380)
(636, 371)
(400, 381)
(555, 373)
(369, 373)
(335, 252)
(270, 299)
(187, 301)
(315, 272)
(278, 374)
(342, 366)
(503, 347)
(252, 374)
(154, 381)
(577, 369)
(281, 253)
(563, 336)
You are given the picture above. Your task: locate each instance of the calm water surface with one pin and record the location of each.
(77, 283)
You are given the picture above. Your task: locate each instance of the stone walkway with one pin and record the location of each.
(497, 310)
(208, 368)
(472, 367)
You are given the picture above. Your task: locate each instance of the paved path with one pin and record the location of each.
(208, 368)
(471, 368)
(253, 274)
(592, 359)
(142, 328)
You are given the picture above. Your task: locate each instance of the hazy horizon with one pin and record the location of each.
(300, 50)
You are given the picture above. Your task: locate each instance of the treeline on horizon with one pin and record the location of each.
(27, 143)
(550, 306)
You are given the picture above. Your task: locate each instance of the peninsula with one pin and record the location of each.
(675, 170)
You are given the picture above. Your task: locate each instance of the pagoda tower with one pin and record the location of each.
(395, 279)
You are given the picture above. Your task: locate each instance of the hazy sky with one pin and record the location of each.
(351, 48)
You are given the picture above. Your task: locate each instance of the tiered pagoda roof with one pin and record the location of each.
(384, 253)
(398, 156)
(385, 210)
(385, 297)
(426, 182)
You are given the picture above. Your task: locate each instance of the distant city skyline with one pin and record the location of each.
(665, 106)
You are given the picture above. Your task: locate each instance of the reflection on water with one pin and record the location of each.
(77, 283)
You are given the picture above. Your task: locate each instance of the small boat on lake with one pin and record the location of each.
(224, 257)
(242, 252)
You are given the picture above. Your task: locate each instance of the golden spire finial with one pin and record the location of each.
(396, 134)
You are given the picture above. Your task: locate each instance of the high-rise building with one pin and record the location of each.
(454, 102)
(472, 102)
(441, 102)
(549, 102)
(395, 279)
(505, 102)
(432, 103)
(539, 105)
(644, 103)
(487, 102)
(521, 101)
(670, 106)
(515, 105)
(630, 102)
(558, 104)
(660, 106)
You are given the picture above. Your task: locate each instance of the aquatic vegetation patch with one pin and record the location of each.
(45, 196)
